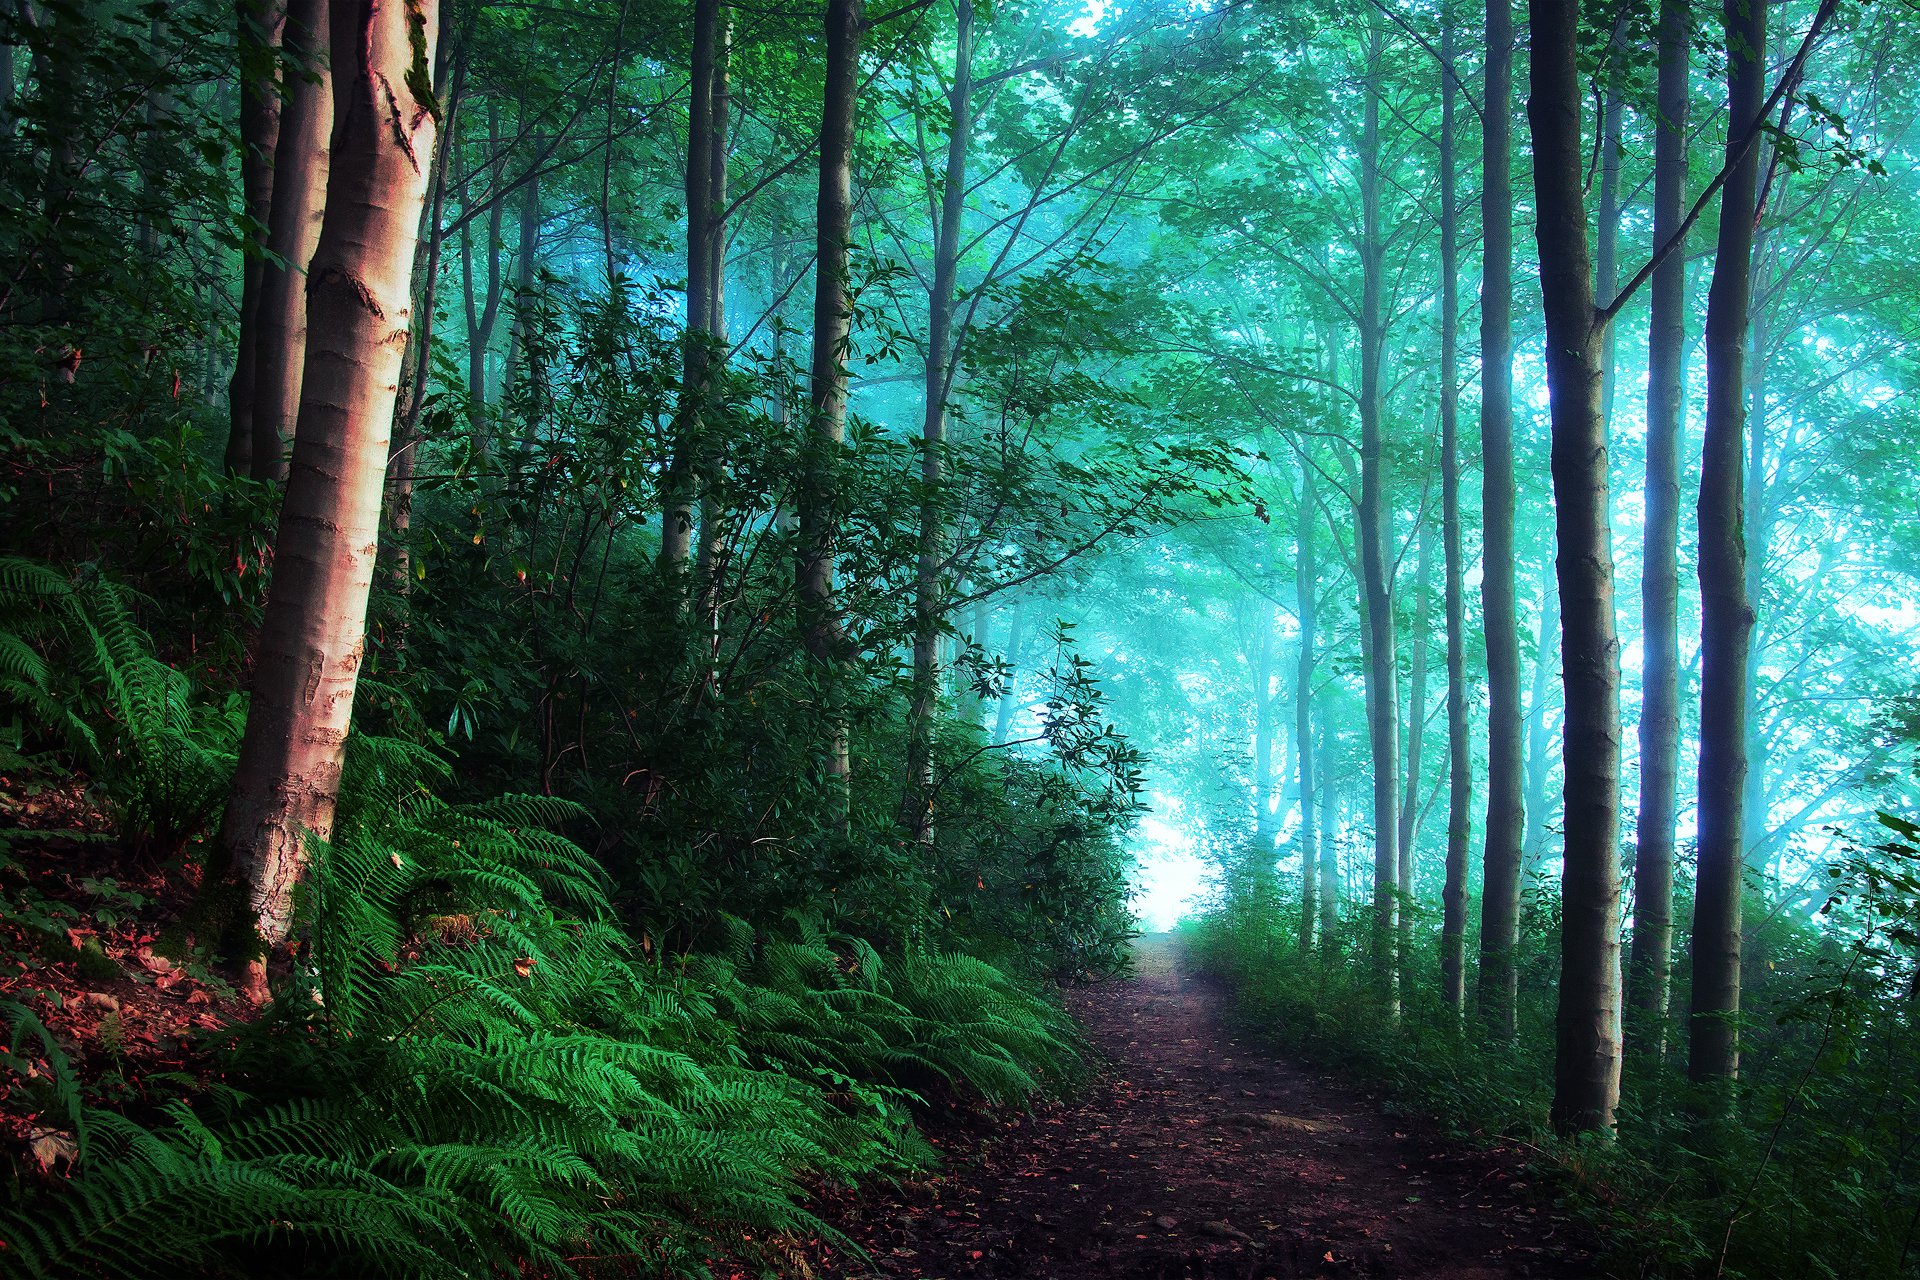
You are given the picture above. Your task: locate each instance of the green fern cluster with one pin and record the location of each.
(830, 1007)
(476, 1075)
(79, 671)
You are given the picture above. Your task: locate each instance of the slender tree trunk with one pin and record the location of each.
(1500, 894)
(710, 555)
(450, 86)
(483, 317)
(1539, 736)
(1382, 684)
(314, 632)
(1305, 583)
(1726, 614)
(1453, 895)
(938, 385)
(676, 529)
(1649, 975)
(260, 25)
(827, 415)
(404, 454)
(1263, 731)
(1587, 1024)
(300, 162)
(1757, 521)
(1416, 720)
(1330, 870)
(1606, 246)
(1003, 716)
(526, 270)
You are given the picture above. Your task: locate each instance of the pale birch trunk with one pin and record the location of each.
(313, 635)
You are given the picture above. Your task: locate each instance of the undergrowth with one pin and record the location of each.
(477, 1069)
(1818, 1182)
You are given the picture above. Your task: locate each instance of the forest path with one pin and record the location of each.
(1200, 1154)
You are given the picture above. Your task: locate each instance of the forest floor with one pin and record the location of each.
(1199, 1153)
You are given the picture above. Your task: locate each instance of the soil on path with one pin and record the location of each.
(1202, 1154)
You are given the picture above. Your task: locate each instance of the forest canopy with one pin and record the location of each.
(594, 596)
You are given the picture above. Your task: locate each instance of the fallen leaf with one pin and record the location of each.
(51, 1146)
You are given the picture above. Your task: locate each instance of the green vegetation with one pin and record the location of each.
(594, 597)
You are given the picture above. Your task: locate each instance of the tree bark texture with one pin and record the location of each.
(676, 515)
(937, 386)
(260, 26)
(1305, 584)
(1650, 963)
(484, 315)
(1383, 667)
(1538, 765)
(820, 624)
(1330, 870)
(710, 554)
(1726, 614)
(314, 631)
(526, 270)
(1453, 894)
(300, 162)
(1500, 895)
(1757, 521)
(1416, 722)
(1587, 1021)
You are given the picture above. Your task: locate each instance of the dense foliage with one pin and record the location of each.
(772, 498)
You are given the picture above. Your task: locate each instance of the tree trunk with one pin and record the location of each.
(300, 163)
(1587, 1024)
(710, 555)
(1330, 871)
(1726, 614)
(260, 26)
(676, 516)
(1003, 716)
(827, 413)
(1500, 894)
(1382, 683)
(1305, 584)
(314, 631)
(450, 87)
(1757, 523)
(482, 317)
(1416, 721)
(938, 385)
(1649, 968)
(1606, 247)
(1453, 895)
(526, 269)
(1263, 731)
(1539, 738)
(404, 454)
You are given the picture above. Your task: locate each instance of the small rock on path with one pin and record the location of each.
(1203, 1155)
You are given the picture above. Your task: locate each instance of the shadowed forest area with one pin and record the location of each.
(604, 605)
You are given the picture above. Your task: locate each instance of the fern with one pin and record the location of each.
(73, 659)
(476, 1075)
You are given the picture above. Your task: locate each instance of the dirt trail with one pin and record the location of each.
(1202, 1155)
